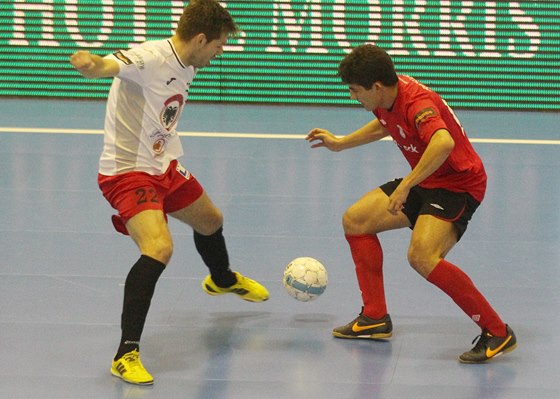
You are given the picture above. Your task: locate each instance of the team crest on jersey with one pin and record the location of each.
(171, 111)
(423, 114)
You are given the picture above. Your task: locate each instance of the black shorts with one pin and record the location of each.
(456, 208)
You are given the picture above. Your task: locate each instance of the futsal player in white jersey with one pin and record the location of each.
(139, 173)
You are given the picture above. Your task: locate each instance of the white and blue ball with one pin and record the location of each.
(305, 279)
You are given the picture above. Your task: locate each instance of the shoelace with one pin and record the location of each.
(133, 361)
(482, 339)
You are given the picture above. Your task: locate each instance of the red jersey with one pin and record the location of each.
(415, 116)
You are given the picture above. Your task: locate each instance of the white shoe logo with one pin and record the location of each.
(438, 206)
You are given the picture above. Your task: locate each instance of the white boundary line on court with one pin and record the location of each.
(252, 135)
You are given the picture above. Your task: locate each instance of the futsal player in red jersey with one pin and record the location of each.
(436, 199)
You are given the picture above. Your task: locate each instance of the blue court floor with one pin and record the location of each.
(63, 266)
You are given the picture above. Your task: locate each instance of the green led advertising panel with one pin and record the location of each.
(476, 54)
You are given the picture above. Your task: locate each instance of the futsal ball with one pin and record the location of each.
(305, 279)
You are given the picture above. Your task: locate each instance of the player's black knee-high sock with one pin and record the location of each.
(139, 289)
(214, 253)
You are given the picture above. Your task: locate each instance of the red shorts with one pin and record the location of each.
(133, 192)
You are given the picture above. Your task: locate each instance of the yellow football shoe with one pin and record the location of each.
(247, 289)
(130, 369)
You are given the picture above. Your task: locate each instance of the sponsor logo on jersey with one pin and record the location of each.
(181, 169)
(401, 131)
(423, 115)
(159, 141)
(407, 148)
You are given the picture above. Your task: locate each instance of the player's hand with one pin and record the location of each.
(398, 199)
(82, 61)
(323, 138)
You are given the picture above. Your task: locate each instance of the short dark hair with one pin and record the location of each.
(205, 16)
(367, 64)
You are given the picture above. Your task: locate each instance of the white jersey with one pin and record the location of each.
(144, 105)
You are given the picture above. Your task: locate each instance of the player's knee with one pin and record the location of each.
(213, 221)
(217, 220)
(352, 223)
(421, 259)
(414, 258)
(159, 249)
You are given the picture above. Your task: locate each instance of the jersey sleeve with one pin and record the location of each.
(134, 64)
(425, 116)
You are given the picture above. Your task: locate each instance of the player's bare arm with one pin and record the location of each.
(440, 146)
(370, 132)
(93, 66)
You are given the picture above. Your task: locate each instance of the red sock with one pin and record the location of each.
(455, 283)
(368, 259)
